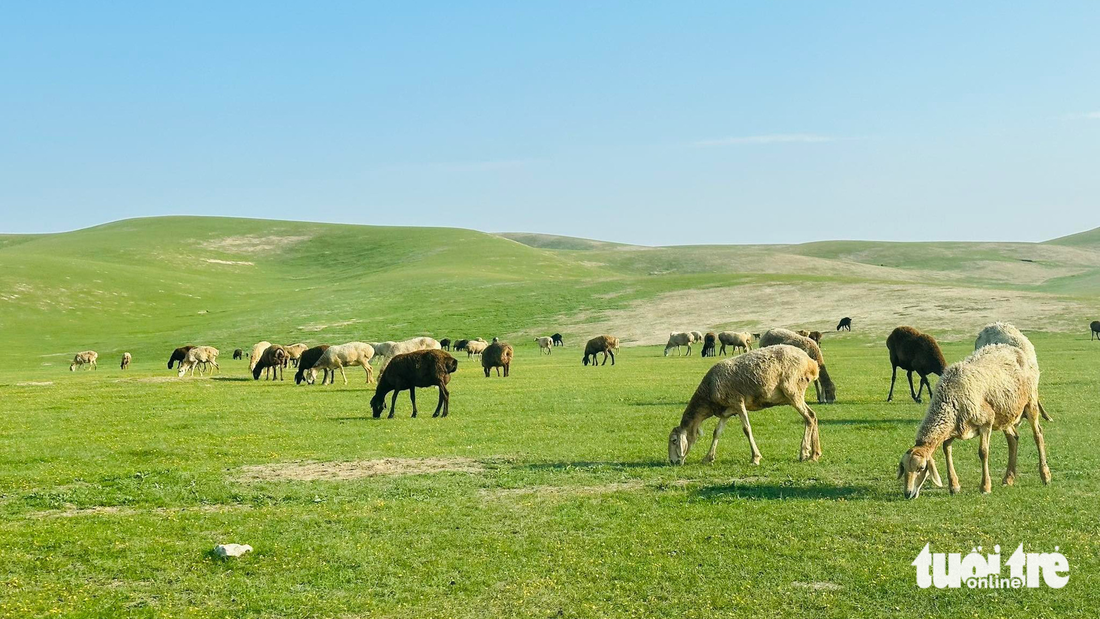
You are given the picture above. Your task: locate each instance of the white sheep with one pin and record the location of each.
(989, 390)
(735, 339)
(474, 348)
(294, 352)
(824, 386)
(756, 380)
(344, 355)
(697, 337)
(257, 352)
(126, 359)
(677, 339)
(199, 355)
(87, 358)
(545, 343)
(1005, 333)
(388, 350)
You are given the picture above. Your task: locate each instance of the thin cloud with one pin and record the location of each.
(772, 138)
(1084, 116)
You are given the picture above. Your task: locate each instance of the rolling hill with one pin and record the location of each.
(171, 280)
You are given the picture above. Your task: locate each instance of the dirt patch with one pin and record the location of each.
(320, 327)
(252, 244)
(947, 311)
(114, 510)
(817, 586)
(308, 470)
(45, 383)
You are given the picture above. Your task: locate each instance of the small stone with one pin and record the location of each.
(231, 550)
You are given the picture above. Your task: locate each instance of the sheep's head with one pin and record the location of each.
(585, 360)
(378, 404)
(452, 365)
(678, 446)
(182, 370)
(72, 367)
(916, 466)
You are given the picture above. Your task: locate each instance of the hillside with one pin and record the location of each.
(234, 281)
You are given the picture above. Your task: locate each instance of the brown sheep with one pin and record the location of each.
(815, 336)
(914, 351)
(709, 342)
(420, 368)
(497, 355)
(1095, 326)
(273, 359)
(178, 355)
(606, 344)
(305, 363)
(238, 353)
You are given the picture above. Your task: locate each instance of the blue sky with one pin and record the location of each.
(654, 123)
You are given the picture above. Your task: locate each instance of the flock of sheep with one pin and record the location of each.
(994, 388)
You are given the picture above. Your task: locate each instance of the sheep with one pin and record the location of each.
(238, 354)
(1005, 333)
(735, 340)
(758, 379)
(388, 350)
(306, 363)
(677, 339)
(474, 348)
(273, 359)
(459, 345)
(803, 332)
(914, 351)
(254, 356)
(178, 355)
(84, 359)
(545, 343)
(845, 323)
(815, 336)
(345, 355)
(421, 368)
(697, 337)
(824, 386)
(294, 351)
(606, 344)
(1095, 326)
(199, 356)
(445, 344)
(992, 389)
(557, 339)
(497, 355)
(709, 341)
(126, 359)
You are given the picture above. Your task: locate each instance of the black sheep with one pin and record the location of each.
(914, 351)
(421, 368)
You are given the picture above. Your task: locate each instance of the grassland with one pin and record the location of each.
(550, 496)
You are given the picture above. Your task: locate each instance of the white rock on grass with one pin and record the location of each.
(231, 550)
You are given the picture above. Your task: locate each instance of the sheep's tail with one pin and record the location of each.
(1043, 411)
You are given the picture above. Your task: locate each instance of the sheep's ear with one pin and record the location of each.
(901, 469)
(935, 474)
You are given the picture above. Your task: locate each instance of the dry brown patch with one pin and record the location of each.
(817, 586)
(309, 470)
(252, 244)
(45, 383)
(114, 510)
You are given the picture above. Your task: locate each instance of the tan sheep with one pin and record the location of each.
(126, 359)
(824, 386)
(474, 348)
(86, 359)
(254, 356)
(606, 344)
(345, 355)
(545, 343)
(294, 352)
(1005, 333)
(736, 340)
(199, 356)
(676, 339)
(756, 380)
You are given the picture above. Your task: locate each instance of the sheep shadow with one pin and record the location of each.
(233, 379)
(782, 491)
(869, 422)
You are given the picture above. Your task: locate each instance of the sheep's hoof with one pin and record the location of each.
(755, 461)
(1008, 480)
(986, 490)
(1044, 474)
(955, 490)
(707, 459)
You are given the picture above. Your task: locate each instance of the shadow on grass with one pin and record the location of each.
(234, 379)
(584, 464)
(782, 491)
(913, 421)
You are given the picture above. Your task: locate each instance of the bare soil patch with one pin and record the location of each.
(252, 244)
(44, 383)
(308, 470)
(115, 510)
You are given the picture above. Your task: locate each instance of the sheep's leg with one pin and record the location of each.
(445, 395)
(442, 398)
(952, 477)
(1013, 442)
(612, 358)
(1040, 444)
(747, 429)
(714, 441)
(894, 377)
(811, 440)
(412, 398)
(367, 369)
(820, 395)
(342, 375)
(393, 404)
(983, 454)
(924, 383)
(722, 352)
(914, 394)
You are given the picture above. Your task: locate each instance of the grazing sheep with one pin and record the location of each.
(677, 339)
(606, 344)
(84, 359)
(557, 339)
(306, 362)
(824, 386)
(254, 356)
(735, 340)
(273, 360)
(445, 344)
(178, 355)
(421, 368)
(756, 380)
(545, 343)
(388, 350)
(497, 355)
(914, 351)
(200, 356)
(989, 390)
(474, 348)
(346, 355)
(238, 354)
(815, 336)
(845, 323)
(1005, 333)
(1095, 326)
(126, 359)
(709, 341)
(294, 351)
(697, 337)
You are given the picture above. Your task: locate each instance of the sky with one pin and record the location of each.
(651, 123)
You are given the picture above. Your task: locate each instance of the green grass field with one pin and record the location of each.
(547, 493)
